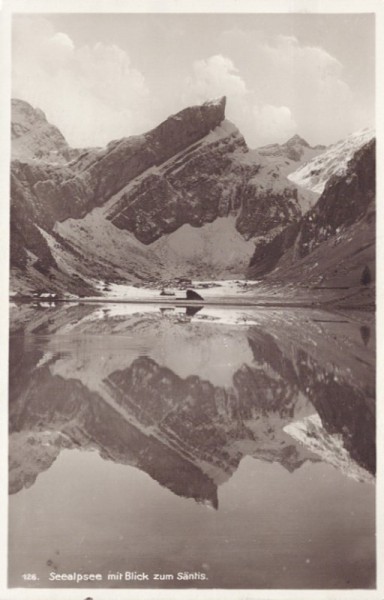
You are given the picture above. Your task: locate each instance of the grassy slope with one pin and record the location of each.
(331, 274)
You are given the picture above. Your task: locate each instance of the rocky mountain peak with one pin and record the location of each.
(219, 102)
(33, 137)
(187, 126)
(25, 117)
(297, 139)
(333, 161)
(296, 150)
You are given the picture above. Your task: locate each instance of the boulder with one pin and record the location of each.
(192, 295)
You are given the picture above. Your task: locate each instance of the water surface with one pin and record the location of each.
(236, 447)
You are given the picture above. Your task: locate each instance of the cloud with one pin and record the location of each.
(294, 65)
(273, 123)
(275, 84)
(215, 76)
(218, 76)
(282, 71)
(63, 42)
(259, 123)
(92, 93)
(310, 81)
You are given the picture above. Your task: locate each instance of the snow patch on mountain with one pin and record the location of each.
(314, 174)
(311, 434)
(216, 249)
(274, 170)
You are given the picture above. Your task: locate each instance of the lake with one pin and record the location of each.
(155, 447)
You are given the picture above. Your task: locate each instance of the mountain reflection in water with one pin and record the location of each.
(191, 399)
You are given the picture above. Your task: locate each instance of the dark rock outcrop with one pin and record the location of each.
(263, 210)
(344, 201)
(347, 201)
(267, 255)
(109, 170)
(192, 295)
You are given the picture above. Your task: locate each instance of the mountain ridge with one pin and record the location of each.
(338, 233)
(193, 168)
(144, 208)
(315, 173)
(295, 149)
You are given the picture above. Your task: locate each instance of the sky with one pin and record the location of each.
(100, 77)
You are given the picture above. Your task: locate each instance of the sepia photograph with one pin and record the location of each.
(191, 372)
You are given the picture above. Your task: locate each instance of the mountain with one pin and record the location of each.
(289, 158)
(333, 244)
(295, 150)
(333, 161)
(33, 138)
(188, 197)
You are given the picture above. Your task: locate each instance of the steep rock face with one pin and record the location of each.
(267, 254)
(40, 194)
(190, 170)
(210, 179)
(344, 215)
(344, 201)
(195, 187)
(263, 210)
(45, 192)
(125, 210)
(215, 181)
(109, 170)
(96, 175)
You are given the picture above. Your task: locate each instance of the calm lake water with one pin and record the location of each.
(221, 449)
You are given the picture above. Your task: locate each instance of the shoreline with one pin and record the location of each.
(180, 302)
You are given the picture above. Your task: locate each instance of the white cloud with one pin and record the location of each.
(215, 76)
(92, 93)
(273, 123)
(282, 71)
(63, 41)
(218, 76)
(310, 81)
(259, 123)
